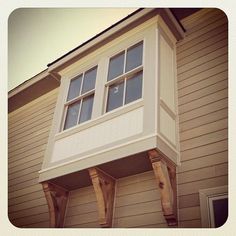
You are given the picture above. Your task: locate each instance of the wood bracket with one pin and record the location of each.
(57, 198)
(104, 187)
(165, 173)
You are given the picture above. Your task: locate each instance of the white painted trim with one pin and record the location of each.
(204, 195)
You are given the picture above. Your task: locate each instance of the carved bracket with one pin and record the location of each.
(57, 198)
(104, 187)
(165, 173)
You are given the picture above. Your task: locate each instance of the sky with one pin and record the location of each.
(38, 36)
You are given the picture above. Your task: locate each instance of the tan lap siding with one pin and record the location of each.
(28, 132)
(202, 59)
(137, 202)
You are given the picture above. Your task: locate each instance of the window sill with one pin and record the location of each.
(103, 118)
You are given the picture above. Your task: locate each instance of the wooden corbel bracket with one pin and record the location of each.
(104, 187)
(57, 198)
(165, 173)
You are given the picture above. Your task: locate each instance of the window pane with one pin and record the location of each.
(89, 80)
(116, 66)
(74, 89)
(134, 57)
(86, 109)
(220, 207)
(115, 96)
(133, 88)
(72, 115)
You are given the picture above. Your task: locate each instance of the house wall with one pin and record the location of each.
(202, 93)
(28, 130)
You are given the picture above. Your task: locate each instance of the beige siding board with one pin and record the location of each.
(37, 103)
(206, 109)
(43, 136)
(31, 219)
(18, 186)
(200, 17)
(78, 193)
(138, 209)
(200, 60)
(37, 134)
(31, 152)
(193, 187)
(26, 212)
(204, 140)
(202, 84)
(25, 198)
(17, 166)
(203, 173)
(209, 160)
(203, 67)
(35, 129)
(204, 129)
(135, 178)
(205, 47)
(146, 185)
(212, 89)
(190, 224)
(189, 213)
(150, 195)
(24, 178)
(25, 149)
(82, 209)
(32, 115)
(204, 30)
(139, 220)
(182, 48)
(28, 205)
(202, 75)
(82, 219)
(205, 150)
(163, 225)
(30, 126)
(191, 200)
(82, 200)
(203, 120)
(25, 191)
(24, 172)
(43, 224)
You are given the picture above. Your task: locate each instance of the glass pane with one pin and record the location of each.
(115, 96)
(116, 66)
(72, 115)
(74, 89)
(86, 109)
(89, 80)
(134, 57)
(133, 88)
(220, 207)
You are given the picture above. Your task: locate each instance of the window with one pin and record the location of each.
(125, 74)
(79, 102)
(214, 206)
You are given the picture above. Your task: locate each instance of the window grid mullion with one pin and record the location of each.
(81, 101)
(80, 97)
(124, 61)
(82, 83)
(124, 93)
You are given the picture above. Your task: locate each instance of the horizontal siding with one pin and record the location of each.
(202, 58)
(137, 202)
(28, 133)
(82, 209)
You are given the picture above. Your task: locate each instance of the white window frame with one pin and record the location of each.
(125, 76)
(78, 98)
(206, 199)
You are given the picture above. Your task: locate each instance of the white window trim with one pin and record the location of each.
(206, 196)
